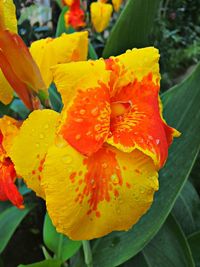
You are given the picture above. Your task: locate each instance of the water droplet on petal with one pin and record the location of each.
(78, 120)
(78, 137)
(104, 165)
(115, 179)
(95, 111)
(41, 136)
(67, 159)
(37, 145)
(82, 111)
(157, 141)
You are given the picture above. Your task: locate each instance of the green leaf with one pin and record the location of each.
(168, 248)
(92, 53)
(187, 209)
(181, 108)
(19, 108)
(55, 98)
(61, 28)
(45, 263)
(194, 242)
(63, 247)
(10, 219)
(132, 28)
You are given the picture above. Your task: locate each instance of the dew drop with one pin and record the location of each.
(157, 141)
(115, 179)
(104, 165)
(95, 111)
(78, 137)
(67, 159)
(78, 120)
(82, 111)
(37, 145)
(142, 190)
(41, 136)
(88, 133)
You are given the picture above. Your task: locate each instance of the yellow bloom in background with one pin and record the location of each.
(28, 73)
(66, 48)
(117, 4)
(97, 162)
(100, 15)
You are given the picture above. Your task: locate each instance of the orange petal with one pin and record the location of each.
(86, 114)
(19, 57)
(8, 189)
(141, 126)
(87, 122)
(90, 197)
(20, 88)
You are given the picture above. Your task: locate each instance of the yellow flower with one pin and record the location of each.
(117, 4)
(27, 72)
(97, 162)
(100, 15)
(66, 48)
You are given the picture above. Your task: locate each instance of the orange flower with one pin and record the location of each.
(8, 189)
(97, 162)
(18, 67)
(75, 15)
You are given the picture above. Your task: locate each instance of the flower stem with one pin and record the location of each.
(87, 253)
(60, 243)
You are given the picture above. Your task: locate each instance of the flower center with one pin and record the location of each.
(120, 107)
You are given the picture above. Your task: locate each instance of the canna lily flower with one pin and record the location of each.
(100, 15)
(8, 190)
(28, 73)
(117, 4)
(97, 162)
(75, 16)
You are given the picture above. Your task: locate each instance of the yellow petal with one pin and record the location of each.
(30, 147)
(90, 197)
(6, 91)
(9, 128)
(69, 78)
(8, 15)
(142, 62)
(66, 48)
(100, 15)
(117, 4)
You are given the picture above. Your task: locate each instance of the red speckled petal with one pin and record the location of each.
(141, 126)
(88, 197)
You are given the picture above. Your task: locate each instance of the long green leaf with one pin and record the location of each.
(63, 247)
(61, 28)
(10, 219)
(45, 263)
(132, 28)
(181, 106)
(187, 209)
(194, 242)
(168, 248)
